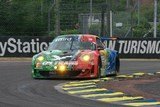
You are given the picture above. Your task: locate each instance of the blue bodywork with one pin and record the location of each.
(111, 61)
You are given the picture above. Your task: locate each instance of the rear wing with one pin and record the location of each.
(105, 38)
(109, 43)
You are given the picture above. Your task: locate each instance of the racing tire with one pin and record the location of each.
(99, 68)
(99, 72)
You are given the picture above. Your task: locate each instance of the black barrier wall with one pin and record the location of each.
(127, 48)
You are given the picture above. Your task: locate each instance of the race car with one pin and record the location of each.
(75, 56)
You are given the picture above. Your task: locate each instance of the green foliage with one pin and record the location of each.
(148, 12)
(119, 6)
(70, 10)
(146, 17)
(125, 19)
(95, 29)
(65, 32)
(30, 17)
(72, 31)
(120, 32)
(158, 30)
(23, 17)
(141, 30)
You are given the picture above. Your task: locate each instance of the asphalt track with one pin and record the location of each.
(18, 89)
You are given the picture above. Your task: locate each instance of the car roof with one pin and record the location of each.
(88, 35)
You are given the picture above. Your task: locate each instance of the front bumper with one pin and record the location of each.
(76, 72)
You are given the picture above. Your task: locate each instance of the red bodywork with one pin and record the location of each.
(90, 68)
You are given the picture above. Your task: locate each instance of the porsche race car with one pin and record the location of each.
(75, 56)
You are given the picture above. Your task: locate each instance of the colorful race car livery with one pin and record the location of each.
(75, 56)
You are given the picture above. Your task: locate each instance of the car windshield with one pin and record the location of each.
(70, 43)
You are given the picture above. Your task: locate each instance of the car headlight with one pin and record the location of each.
(62, 68)
(86, 57)
(38, 65)
(40, 58)
(38, 62)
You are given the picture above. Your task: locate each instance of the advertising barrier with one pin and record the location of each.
(135, 47)
(127, 47)
(23, 46)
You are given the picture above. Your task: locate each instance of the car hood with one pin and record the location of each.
(59, 55)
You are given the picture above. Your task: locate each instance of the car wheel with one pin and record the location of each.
(99, 72)
(99, 68)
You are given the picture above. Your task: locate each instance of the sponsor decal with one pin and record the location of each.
(62, 39)
(47, 63)
(134, 46)
(68, 63)
(57, 58)
(16, 45)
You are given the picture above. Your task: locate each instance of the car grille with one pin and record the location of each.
(68, 73)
